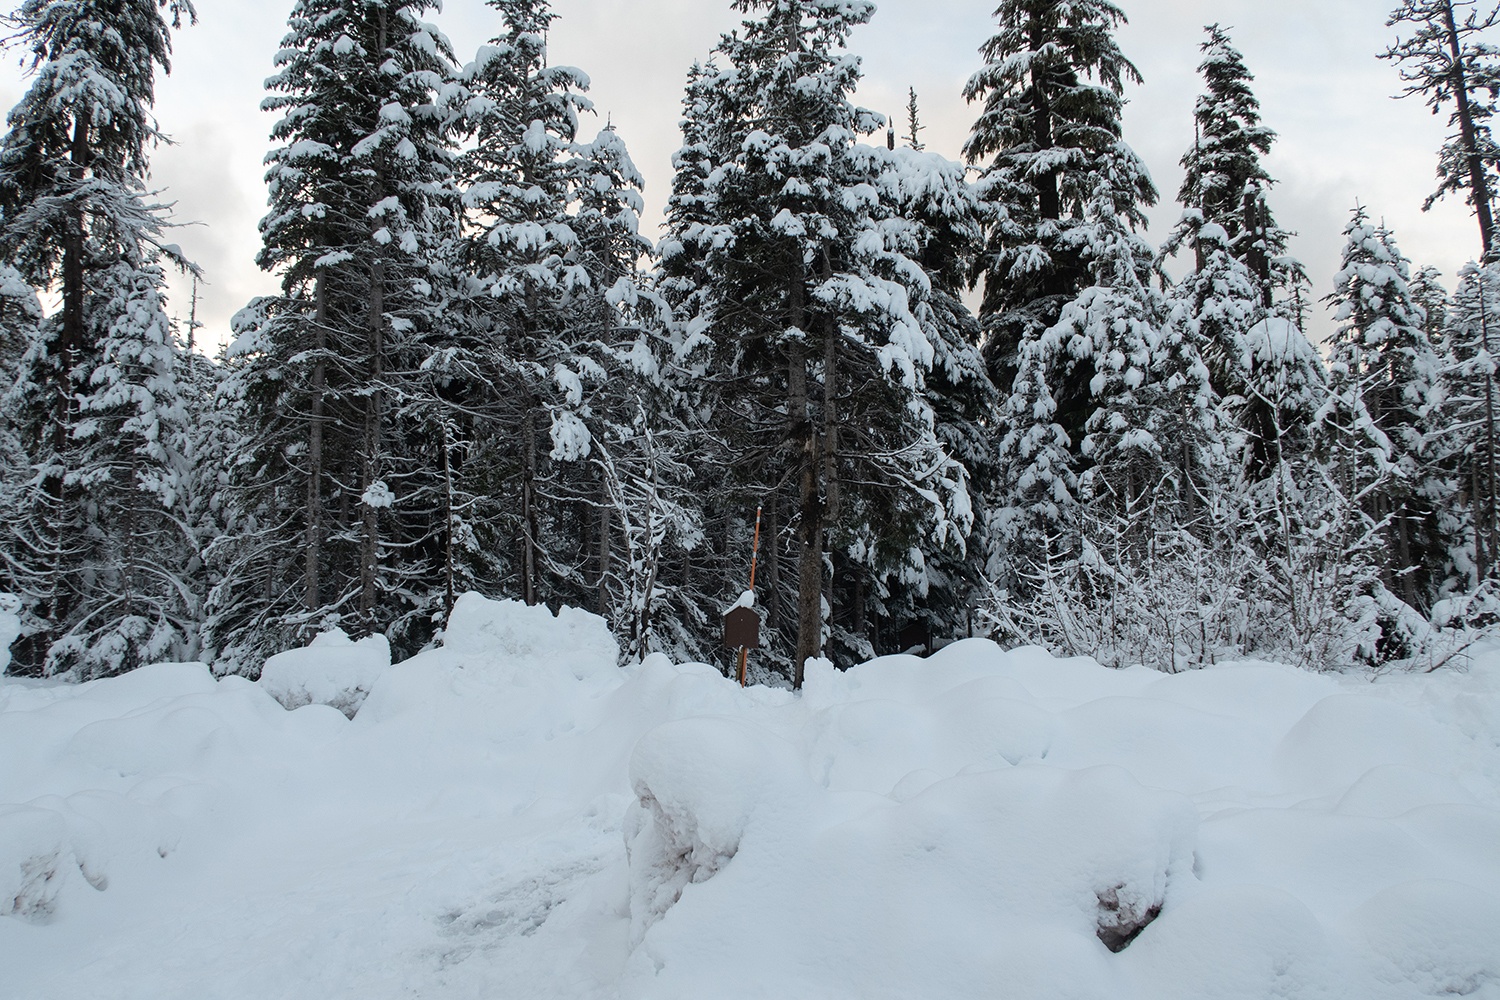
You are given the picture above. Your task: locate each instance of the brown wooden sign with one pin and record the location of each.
(742, 629)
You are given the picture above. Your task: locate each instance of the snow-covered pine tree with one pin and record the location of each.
(341, 497)
(935, 218)
(1063, 195)
(553, 250)
(519, 185)
(818, 362)
(1224, 192)
(20, 326)
(1225, 181)
(1427, 291)
(1468, 415)
(1382, 344)
(1051, 87)
(1447, 61)
(95, 554)
(1344, 508)
(1142, 520)
(1154, 432)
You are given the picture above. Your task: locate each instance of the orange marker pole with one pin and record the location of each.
(754, 560)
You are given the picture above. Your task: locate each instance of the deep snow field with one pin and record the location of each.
(512, 817)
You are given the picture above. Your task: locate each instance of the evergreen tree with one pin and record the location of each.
(1468, 417)
(341, 498)
(1225, 182)
(1224, 194)
(553, 250)
(1447, 61)
(95, 554)
(1382, 349)
(1052, 89)
(818, 359)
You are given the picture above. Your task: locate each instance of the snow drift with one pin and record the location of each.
(510, 814)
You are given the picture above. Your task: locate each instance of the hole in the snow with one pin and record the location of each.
(1121, 920)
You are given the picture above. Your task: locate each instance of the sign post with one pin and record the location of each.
(742, 623)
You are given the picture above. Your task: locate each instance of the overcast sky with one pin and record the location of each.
(1342, 137)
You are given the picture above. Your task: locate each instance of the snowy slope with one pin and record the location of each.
(511, 816)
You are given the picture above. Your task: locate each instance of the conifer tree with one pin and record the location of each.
(1447, 61)
(1224, 192)
(96, 555)
(1381, 348)
(553, 251)
(340, 496)
(1052, 90)
(1468, 416)
(818, 359)
(1225, 181)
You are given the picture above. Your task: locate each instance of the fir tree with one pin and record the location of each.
(1382, 351)
(1224, 194)
(1052, 89)
(1224, 180)
(96, 555)
(818, 359)
(1447, 61)
(553, 250)
(338, 491)
(1468, 417)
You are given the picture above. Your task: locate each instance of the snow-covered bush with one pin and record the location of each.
(332, 670)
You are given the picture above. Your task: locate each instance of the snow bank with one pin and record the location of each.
(333, 670)
(511, 814)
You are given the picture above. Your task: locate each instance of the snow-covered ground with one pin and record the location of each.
(512, 816)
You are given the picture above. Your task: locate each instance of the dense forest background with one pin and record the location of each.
(964, 396)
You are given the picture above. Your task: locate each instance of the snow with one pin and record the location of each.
(333, 670)
(513, 814)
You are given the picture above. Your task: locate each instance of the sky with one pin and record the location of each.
(1343, 138)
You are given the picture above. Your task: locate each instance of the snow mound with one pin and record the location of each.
(531, 638)
(512, 814)
(332, 670)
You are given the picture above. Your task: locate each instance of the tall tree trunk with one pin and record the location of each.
(370, 547)
(804, 439)
(528, 505)
(448, 523)
(602, 555)
(1478, 182)
(830, 436)
(312, 548)
(810, 522)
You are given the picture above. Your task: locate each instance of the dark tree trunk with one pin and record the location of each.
(312, 555)
(370, 544)
(1478, 182)
(528, 505)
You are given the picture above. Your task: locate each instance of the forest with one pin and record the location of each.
(950, 399)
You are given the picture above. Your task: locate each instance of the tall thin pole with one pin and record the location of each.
(754, 560)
